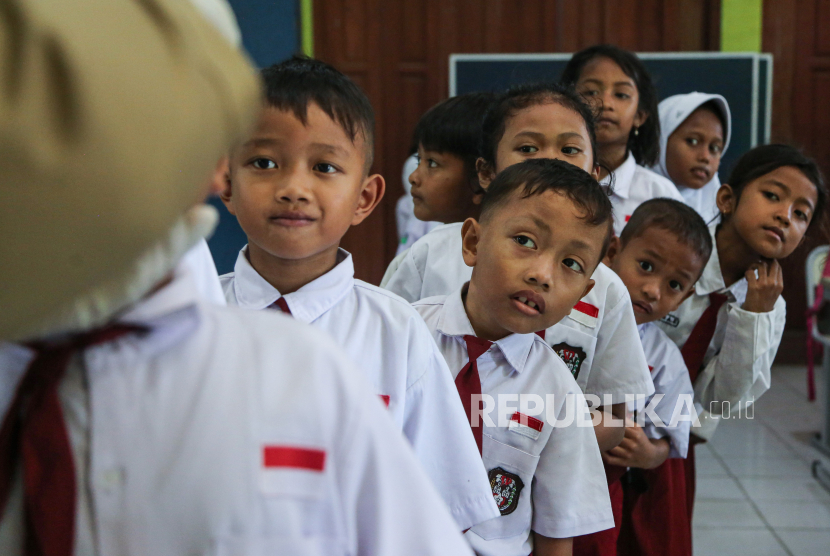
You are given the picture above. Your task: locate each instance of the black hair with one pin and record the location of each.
(674, 217)
(645, 145)
(537, 175)
(764, 159)
(523, 96)
(295, 83)
(454, 126)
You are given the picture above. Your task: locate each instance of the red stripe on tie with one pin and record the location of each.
(650, 369)
(385, 399)
(527, 420)
(587, 308)
(541, 334)
(297, 458)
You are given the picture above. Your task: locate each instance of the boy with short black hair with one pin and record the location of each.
(296, 186)
(544, 227)
(659, 256)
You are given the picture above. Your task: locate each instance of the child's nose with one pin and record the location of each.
(294, 188)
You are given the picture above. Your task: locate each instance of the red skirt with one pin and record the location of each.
(604, 543)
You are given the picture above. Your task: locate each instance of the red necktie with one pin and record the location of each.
(695, 347)
(282, 305)
(468, 382)
(34, 433)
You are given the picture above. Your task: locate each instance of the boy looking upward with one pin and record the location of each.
(297, 185)
(544, 227)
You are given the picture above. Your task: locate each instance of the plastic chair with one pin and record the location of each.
(816, 269)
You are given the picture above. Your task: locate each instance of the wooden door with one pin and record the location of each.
(398, 51)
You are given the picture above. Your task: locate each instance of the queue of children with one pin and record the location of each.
(531, 378)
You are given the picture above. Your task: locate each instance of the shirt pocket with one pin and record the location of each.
(511, 473)
(575, 348)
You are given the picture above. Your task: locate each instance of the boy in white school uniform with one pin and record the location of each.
(546, 473)
(659, 256)
(296, 186)
(598, 339)
(166, 425)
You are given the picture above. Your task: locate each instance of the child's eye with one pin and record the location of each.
(431, 163)
(647, 266)
(770, 195)
(571, 150)
(676, 286)
(528, 149)
(325, 168)
(692, 141)
(264, 164)
(623, 96)
(802, 215)
(715, 149)
(525, 241)
(589, 92)
(573, 265)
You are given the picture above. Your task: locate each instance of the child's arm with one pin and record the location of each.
(610, 434)
(546, 546)
(742, 368)
(638, 450)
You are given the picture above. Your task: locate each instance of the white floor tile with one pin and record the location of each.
(736, 542)
(718, 488)
(725, 513)
(805, 543)
(796, 515)
(758, 466)
(804, 489)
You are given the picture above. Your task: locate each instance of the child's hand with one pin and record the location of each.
(637, 450)
(764, 290)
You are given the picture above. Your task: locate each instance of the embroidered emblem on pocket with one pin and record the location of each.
(506, 489)
(671, 320)
(572, 356)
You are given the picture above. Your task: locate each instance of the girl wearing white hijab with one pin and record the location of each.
(695, 133)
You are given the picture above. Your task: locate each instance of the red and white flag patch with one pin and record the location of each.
(293, 457)
(525, 425)
(384, 400)
(585, 314)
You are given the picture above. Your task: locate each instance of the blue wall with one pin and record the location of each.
(270, 33)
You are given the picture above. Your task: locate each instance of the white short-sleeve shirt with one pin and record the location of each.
(634, 184)
(548, 479)
(598, 340)
(202, 268)
(737, 366)
(388, 340)
(671, 379)
(224, 431)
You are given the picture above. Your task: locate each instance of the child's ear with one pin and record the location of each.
(588, 287)
(470, 236)
(726, 199)
(486, 173)
(373, 189)
(640, 118)
(595, 172)
(614, 249)
(222, 178)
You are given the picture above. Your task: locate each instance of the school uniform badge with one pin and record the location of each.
(671, 320)
(572, 356)
(506, 489)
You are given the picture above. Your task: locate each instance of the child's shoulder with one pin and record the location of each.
(656, 185)
(657, 345)
(437, 236)
(389, 304)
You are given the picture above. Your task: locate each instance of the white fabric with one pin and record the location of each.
(178, 422)
(410, 229)
(613, 364)
(562, 466)
(671, 378)
(673, 111)
(737, 365)
(633, 185)
(391, 344)
(203, 270)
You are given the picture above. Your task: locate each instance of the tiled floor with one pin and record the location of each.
(756, 495)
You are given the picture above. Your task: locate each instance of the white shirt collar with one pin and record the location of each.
(308, 303)
(712, 278)
(453, 321)
(623, 176)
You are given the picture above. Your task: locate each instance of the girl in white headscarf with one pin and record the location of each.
(695, 134)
